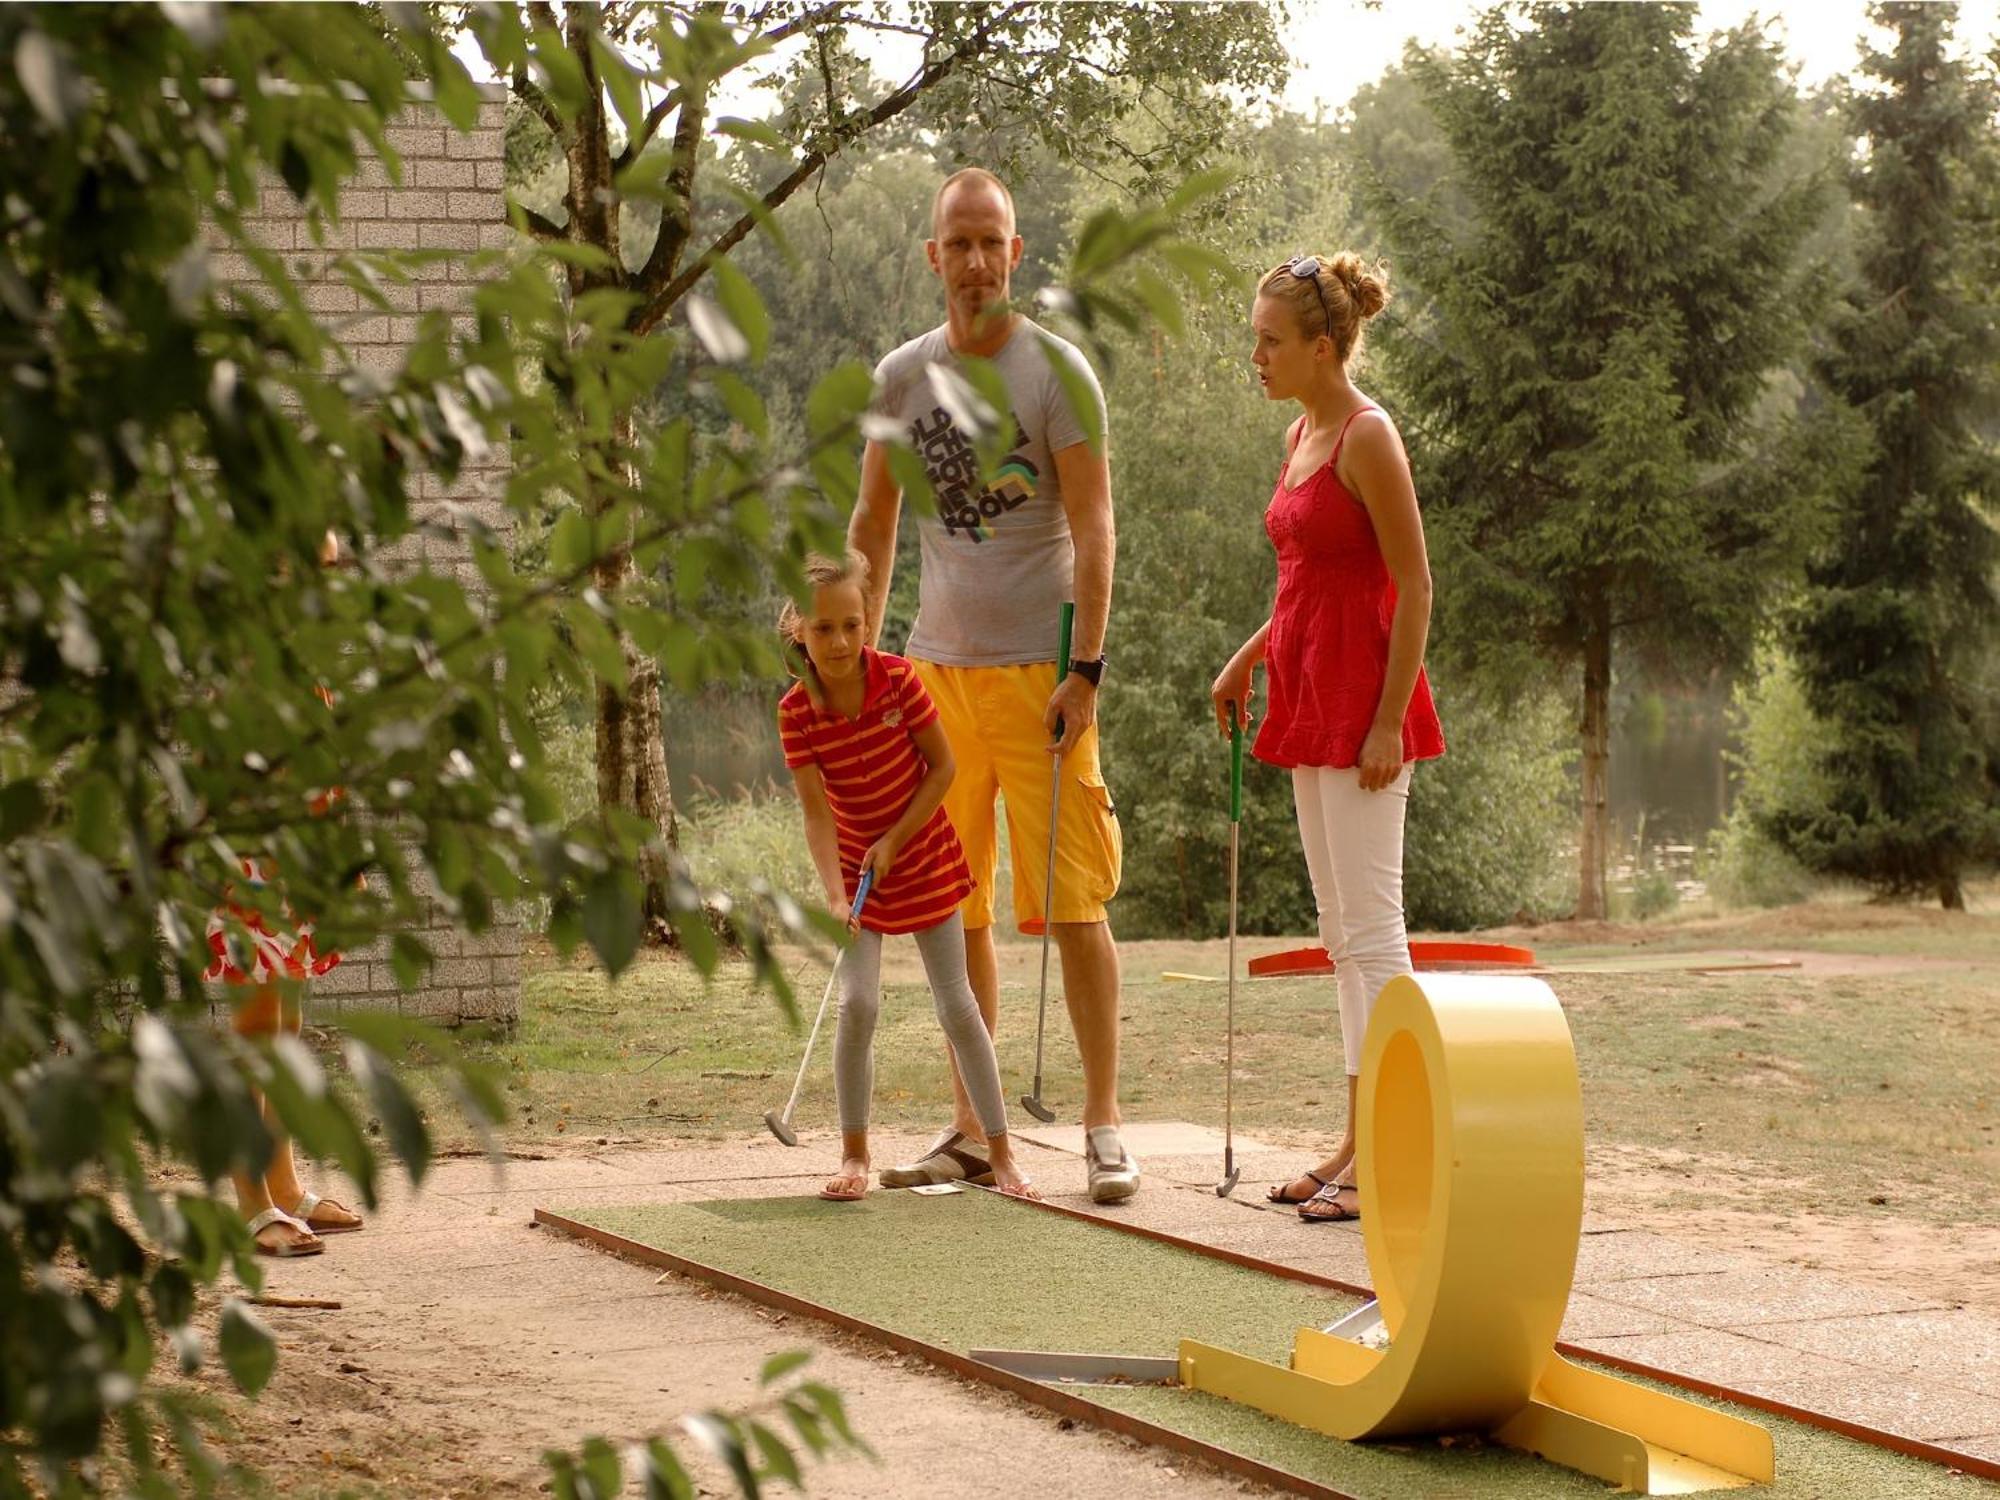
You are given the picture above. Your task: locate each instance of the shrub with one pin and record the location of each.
(1778, 767)
(1490, 822)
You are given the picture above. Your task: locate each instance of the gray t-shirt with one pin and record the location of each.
(997, 562)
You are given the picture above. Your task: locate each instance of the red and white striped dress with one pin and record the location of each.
(871, 768)
(273, 955)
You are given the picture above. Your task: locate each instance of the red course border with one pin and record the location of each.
(1426, 955)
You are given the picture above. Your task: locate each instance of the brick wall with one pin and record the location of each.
(448, 198)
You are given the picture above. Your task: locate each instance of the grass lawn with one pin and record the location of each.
(1811, 1091)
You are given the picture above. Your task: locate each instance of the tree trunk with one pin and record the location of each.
(1951, 895)
(1595, 732)
(631, 744)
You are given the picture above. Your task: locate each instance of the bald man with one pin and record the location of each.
(997, 562)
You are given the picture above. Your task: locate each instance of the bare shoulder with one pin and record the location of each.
(1373, 434)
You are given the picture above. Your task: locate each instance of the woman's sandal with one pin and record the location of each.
(286, 1249)
(303, 1212)
(1281, 1192)
(1325, 1207)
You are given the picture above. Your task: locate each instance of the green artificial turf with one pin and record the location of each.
(973, 1271)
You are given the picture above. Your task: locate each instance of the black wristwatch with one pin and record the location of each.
(1091, 672)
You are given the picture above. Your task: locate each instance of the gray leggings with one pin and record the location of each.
(942, 949)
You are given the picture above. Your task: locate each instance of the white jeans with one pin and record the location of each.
(1354, 852)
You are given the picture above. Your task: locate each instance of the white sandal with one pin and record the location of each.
(291, 1249)
(302, 1211)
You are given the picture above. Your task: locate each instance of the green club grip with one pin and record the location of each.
(1235, 766)
(1066, 622)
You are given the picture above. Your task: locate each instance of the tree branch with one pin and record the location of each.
(530, 93)
(540, 225)
(657, 115)
(662, 287)
(655, 118)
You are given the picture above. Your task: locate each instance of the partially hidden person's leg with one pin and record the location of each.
(860, 990)
(970, 806)
(1364, 833)
(943, 951)
(1089, 861)
(321, 1215)
(259, 1013)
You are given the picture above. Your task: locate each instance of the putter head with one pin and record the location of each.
(780, 1127)
(1039, 1110)
(1228, 1184)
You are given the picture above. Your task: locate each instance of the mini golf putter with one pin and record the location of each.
(1230, 1171)
(1470, 1151)
(780, 1121)
(1032, 1100)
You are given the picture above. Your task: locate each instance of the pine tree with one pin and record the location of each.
(1609, 280)
(1895, 632)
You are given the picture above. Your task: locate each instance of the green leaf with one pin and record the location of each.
(666, 1479)
(596, 643)
(570, 544)
(401, 1122)
(778, 1366)
(1199, 188)
(621, 83)
(173, 1296)
(1204, 267)
(1078, 389)
(249, 1352)
(720, 1437)
(757, 132)
(611, 917)
(22, 810)
(560, 73)
(778, 1460)
(601, 1473)
(409, 958)
(839, 397)
(745, 308)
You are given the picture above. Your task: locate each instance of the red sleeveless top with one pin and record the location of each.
(1328, 651)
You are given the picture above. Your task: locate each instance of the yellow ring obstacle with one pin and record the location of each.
(1469, 1139)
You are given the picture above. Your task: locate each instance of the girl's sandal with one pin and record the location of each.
(291, 1249)
(1325, 1207)
(1281, 1192)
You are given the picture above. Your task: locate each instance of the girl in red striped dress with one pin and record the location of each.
(871, 765)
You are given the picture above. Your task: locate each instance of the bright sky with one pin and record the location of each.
(1338, 45)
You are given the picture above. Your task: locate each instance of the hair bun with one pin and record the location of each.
(1367, 286)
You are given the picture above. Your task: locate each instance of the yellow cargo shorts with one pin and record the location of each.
(992, 717)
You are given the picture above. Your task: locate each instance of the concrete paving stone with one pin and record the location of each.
(1896, 1403)
(1752, 1298)
(1148, 1138)
(1619, 1255)
(1726, 1358)
(478, 1178)
(1589, 1319)
(1958, 1346)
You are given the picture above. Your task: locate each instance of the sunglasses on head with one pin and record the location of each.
(1306, 268)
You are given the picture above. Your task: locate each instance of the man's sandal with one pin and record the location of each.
(1325, 1207)
(833, 1195)
(1281, 1192)
(949, 1159)
(287, 1249)
(303, 1212)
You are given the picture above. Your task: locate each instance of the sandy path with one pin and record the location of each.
(469, 1341)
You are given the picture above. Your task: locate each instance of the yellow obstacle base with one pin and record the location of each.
(1470, 1157)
